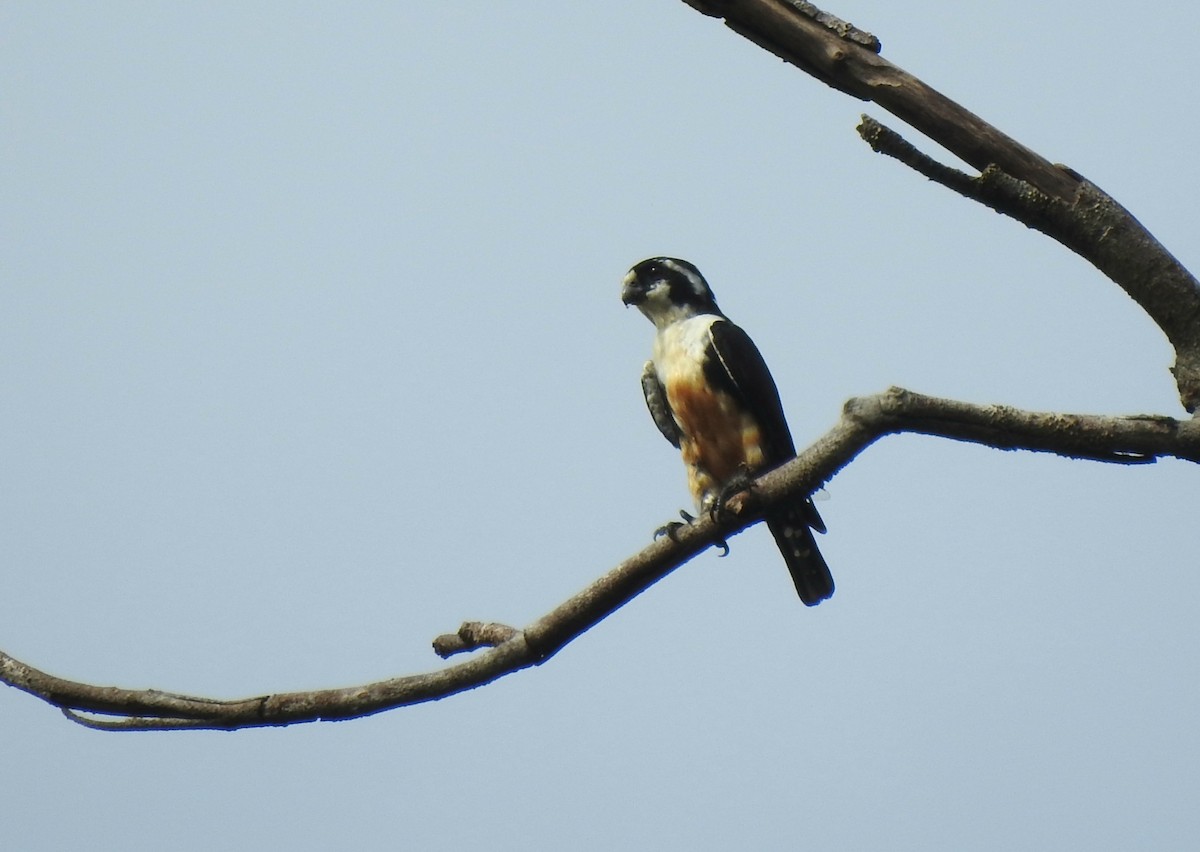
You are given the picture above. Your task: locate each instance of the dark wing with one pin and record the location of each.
(656, 401)
(739, 369)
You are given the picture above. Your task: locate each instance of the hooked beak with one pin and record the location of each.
(632, 293)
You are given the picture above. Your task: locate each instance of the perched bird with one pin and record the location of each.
(711, 395)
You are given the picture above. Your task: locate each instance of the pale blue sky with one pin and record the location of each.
(311, 347)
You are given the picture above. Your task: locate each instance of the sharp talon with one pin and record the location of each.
(739, 482)
(670, 528)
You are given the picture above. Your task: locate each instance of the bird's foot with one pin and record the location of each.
(725, 502)
(670, 528)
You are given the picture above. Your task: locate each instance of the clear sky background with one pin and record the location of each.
(311, 347)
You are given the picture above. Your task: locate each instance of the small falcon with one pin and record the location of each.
(711, 395)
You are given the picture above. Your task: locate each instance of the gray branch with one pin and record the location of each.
(1013, 179)
(502, 650)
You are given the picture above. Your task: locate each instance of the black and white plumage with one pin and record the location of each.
(711, 395)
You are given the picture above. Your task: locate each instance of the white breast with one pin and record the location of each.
(679, 349)
(717, 437)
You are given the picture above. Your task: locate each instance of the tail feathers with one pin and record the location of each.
(794, 536)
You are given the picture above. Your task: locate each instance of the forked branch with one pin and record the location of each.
(502, 650)
(1013, 179)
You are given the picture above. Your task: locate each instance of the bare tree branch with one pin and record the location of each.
(1122, 440)
(1095, 227)
(824, 47)
(472, 636)
(1014, 180)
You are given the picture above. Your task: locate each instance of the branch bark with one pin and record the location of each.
(1014, 180)
(503, 650)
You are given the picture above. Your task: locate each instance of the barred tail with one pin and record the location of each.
(793, 530)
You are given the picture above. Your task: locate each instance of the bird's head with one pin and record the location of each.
(667, 290)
